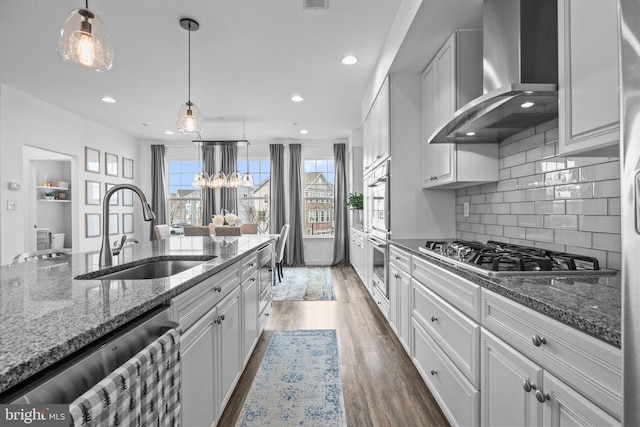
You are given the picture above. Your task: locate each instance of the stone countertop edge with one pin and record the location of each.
(19, 362)
(604, 322)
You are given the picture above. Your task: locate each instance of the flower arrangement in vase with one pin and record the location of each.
(226, 218)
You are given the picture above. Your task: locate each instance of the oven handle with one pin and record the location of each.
(377, 242)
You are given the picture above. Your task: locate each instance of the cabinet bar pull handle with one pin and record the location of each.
(542, 396)
(434, 372)
(538, 340)
(434, 319)
(218, 288)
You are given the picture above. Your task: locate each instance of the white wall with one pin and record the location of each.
(28, 121)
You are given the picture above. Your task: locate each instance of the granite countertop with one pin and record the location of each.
(46, 315)
(589, 303)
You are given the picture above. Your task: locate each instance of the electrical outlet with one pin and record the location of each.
(466, 209)
(12, 205)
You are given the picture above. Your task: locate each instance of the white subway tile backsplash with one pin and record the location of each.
(587, 206)
(604, 224)
(550, 207)
(574, 238)
(569, 204)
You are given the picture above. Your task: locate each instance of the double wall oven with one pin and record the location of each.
(378, 211)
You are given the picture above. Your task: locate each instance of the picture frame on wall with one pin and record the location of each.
(114, 224)
(127, 197)
(115, 200)
(92, 194)
(91, 160)
(127, 223)
(127, 168)
(110, 164)
(92, 224)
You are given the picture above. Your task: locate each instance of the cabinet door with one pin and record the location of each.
(394, 287)
(404, 310)
(566, 407)
(250, 316)
(198, 379)
(229, 345)
(588, 77)
(384, 117)
(504, 374)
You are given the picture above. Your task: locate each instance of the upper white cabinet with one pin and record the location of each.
(376, 129)
(588, 83)
(452, 79)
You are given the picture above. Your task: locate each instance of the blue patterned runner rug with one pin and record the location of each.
(298, 383)
(305, 284)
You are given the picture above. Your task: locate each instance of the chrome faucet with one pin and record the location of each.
(106, 257)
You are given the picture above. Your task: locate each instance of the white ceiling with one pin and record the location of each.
(248, 58)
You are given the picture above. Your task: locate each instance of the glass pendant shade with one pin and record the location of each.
(189, 119)
(234, 180)
(247, 180)
(218, 180)
(84, 41)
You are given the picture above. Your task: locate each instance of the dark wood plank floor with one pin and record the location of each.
(381, 386)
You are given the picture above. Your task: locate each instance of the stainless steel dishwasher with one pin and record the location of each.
(70, 378)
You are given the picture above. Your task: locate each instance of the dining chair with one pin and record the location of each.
(197, 230)
(42, 254)
(228, 231)
(163, 231)
(282, 241)
(249, 228)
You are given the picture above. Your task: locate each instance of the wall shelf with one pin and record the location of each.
(41, 187)
(54, 200)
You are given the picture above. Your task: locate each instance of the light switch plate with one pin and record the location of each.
(12, 205)
(466, 209)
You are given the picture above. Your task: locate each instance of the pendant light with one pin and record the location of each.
(189, 119)
(247, 179)
(83, 40)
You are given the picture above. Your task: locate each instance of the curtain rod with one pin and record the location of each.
(220, 141)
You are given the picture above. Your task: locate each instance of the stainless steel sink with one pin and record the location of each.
(149, 270)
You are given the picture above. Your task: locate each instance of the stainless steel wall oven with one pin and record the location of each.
(379, 211)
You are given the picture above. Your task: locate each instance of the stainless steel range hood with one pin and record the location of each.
(520, 74)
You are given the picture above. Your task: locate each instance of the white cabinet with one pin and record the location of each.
(399, 291)
(519, 392)
(229, 346)
(452, 79)
(250, 315)
(588, 79)
(356, 251)
(376, 129)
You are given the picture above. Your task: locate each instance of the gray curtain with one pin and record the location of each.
(208, 194)
(229, 196)
(296, 249)
(276, 210)
(341, 230)
(158, 188)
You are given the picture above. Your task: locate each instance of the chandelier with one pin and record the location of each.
(220, 179)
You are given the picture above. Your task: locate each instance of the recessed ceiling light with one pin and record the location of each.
(527, 104)
(470, 133)
(297, 98)
(168, 132)
(304, 131)
(108, 100)
(349, 60)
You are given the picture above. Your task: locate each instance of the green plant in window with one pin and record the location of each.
(355, 201)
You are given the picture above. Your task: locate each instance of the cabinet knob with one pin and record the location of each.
(251, 264)
(527, 386)
(396, 276)
(219, 319)
(398, 258)
(218, 288)
(538, 340)
(542, 396)
(434, 372)
(434, 319)
(253, 279)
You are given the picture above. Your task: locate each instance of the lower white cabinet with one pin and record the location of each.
(519, 392)
(250, 315)
(230, 361)
(400, 309)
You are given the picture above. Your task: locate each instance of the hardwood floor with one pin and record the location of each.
(381, 386)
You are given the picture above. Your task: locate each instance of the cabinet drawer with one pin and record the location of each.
(459, 292)
(248, 266)
(456, 334)
(400, 258)
(582, 361)
(381, 301)
(192, 304)
(458, 398)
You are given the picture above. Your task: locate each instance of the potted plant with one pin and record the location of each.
(355, 202)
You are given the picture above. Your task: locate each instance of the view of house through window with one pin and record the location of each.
(318, 197)
(185, 201)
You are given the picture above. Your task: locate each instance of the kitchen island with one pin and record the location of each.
(47, 315)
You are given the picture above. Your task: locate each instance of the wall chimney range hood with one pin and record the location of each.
(520, 74)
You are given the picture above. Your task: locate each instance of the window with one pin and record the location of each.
(253, 203)
(185, 201)
(318, 201)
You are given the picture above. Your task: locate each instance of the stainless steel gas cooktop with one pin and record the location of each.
(497, 258)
